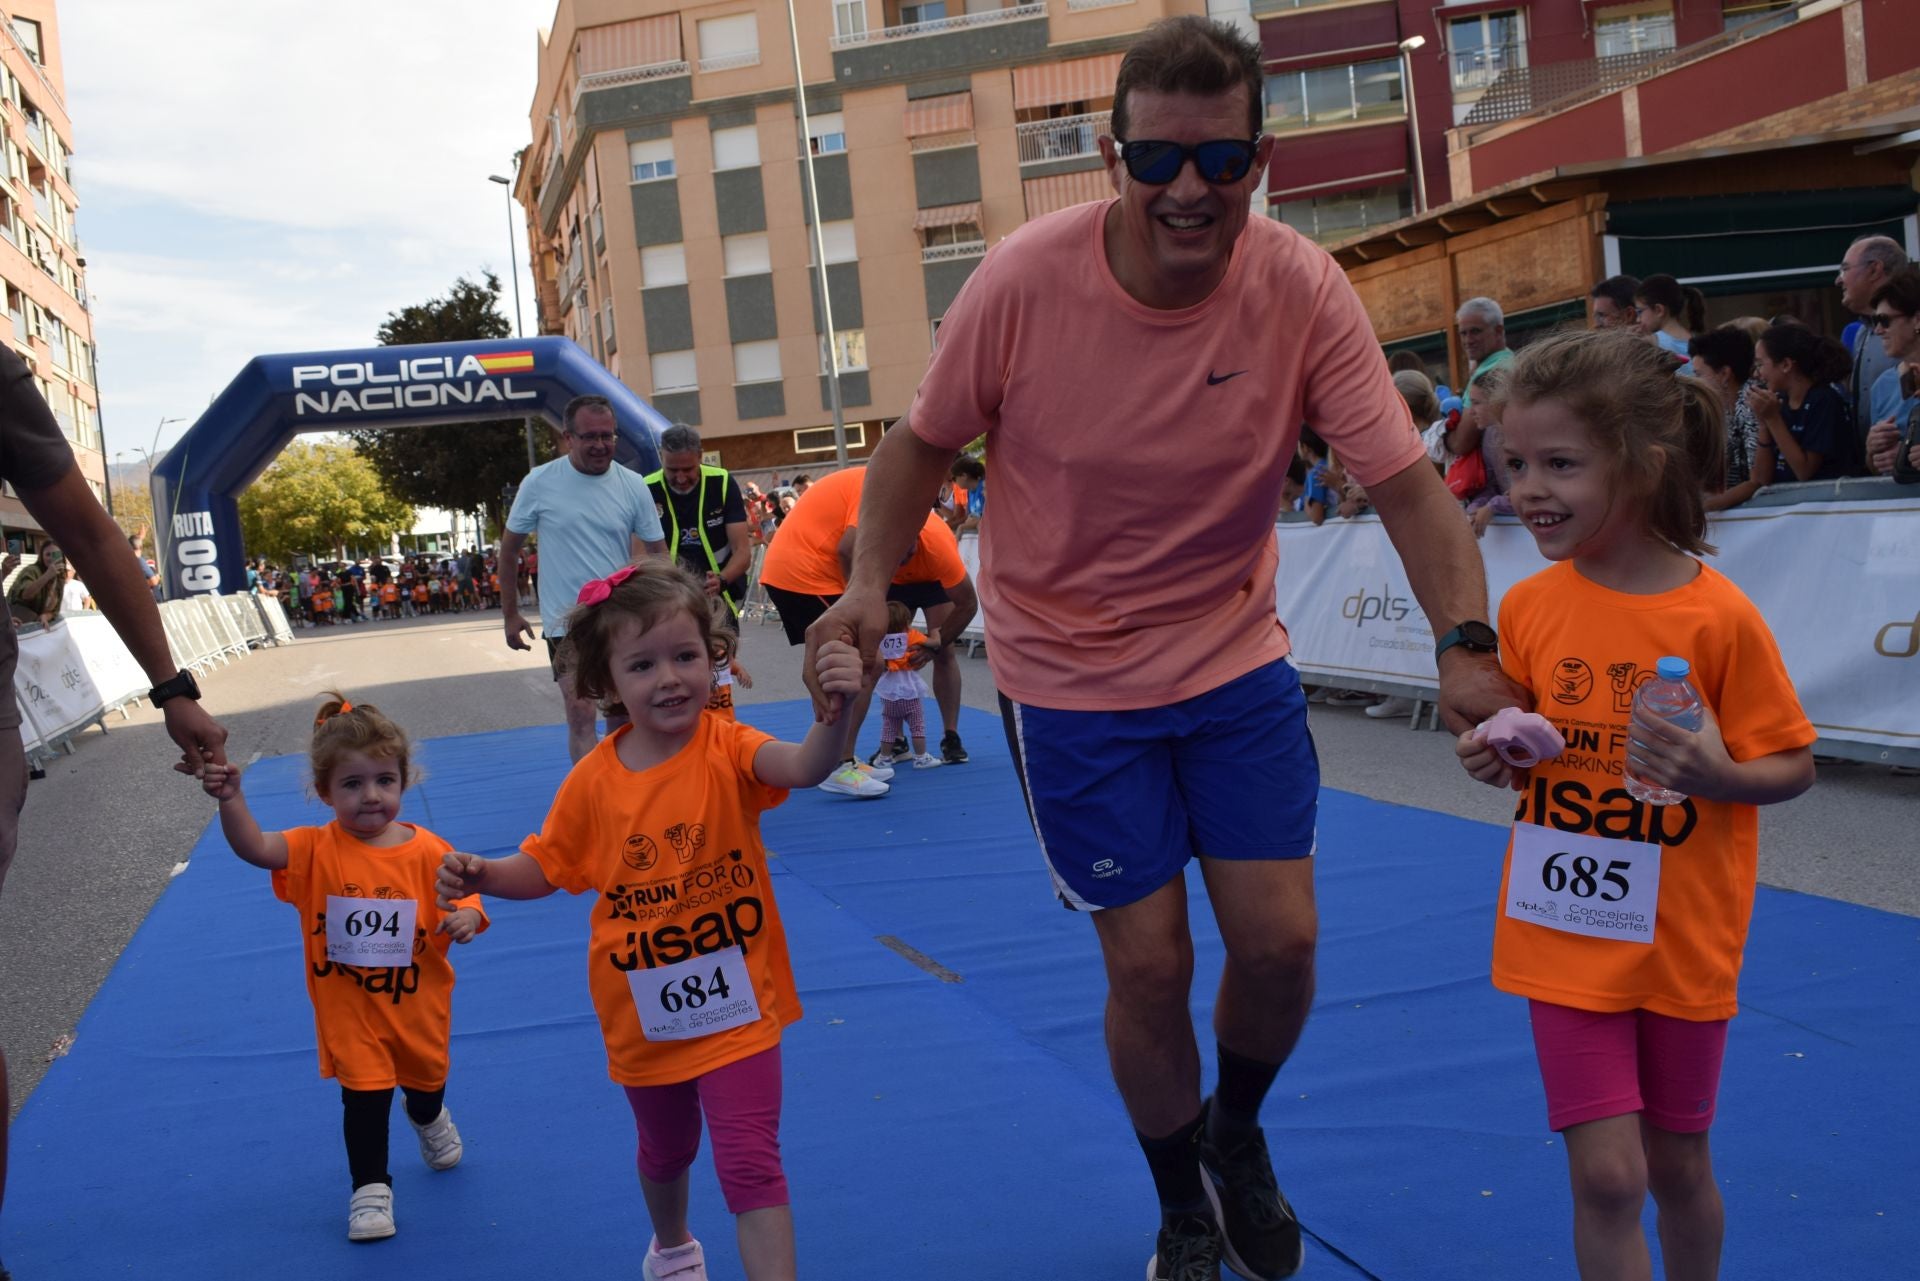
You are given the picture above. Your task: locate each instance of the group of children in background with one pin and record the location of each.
(1607, 451)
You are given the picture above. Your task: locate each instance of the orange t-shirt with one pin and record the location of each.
(804, 555)
(389, 593)
(720, 697)
(377, 1027)
(1582, 650)
(420, 593)
(905, 663)
(1139, 454)
(674, 860)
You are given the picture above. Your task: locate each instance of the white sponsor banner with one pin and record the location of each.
(116, 674)
(52, 683)
(1838, 582)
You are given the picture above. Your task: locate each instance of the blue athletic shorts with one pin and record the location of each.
(1122, 800)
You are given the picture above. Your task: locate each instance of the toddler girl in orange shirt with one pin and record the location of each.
(687, 958)
(376, 942)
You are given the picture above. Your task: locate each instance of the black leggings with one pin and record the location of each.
(366, 1127)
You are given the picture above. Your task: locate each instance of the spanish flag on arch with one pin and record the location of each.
(507, 362)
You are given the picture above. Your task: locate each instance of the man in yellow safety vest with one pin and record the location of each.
(704, 516)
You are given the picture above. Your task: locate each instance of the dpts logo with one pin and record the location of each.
(1363, 606)
(1883, 644)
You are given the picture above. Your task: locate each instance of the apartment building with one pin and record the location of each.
(40, 256)
(668, 211)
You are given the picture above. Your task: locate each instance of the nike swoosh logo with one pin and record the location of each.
(1214, 380)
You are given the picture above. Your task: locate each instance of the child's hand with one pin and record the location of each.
(221, 782)
(741, 675)
(460, 925)
(459, 875)
(1692, 762)
(1481, 761)
(838, 666)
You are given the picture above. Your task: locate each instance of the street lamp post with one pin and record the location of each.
(513, 264)
(1407, 47)
(819, 246)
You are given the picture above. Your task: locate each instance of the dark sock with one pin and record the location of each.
(1175, 1163)
(1234, 1112)
(423, 1106)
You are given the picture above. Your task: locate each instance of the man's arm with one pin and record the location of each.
(67, 510)
(902, 478)
(739, 554)
(1444, 568)
(519, 634)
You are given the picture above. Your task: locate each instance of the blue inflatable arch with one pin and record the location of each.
(197, 485)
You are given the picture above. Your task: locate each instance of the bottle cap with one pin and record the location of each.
(1672, 669)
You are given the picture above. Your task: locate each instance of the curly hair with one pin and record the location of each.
(341, 726)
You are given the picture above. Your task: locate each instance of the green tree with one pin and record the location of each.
(315, 497)
(458, 466)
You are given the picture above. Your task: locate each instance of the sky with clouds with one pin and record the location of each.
(279, 175)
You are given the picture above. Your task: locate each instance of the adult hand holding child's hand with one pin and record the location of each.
(838, 669)
(221, 782)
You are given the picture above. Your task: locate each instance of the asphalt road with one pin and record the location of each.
(103, 832)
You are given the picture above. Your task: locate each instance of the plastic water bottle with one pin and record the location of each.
(1667, 697)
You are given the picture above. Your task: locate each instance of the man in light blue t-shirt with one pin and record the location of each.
(592, 517)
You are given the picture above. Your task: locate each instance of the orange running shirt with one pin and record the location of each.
(804, 555)
(420, 593)
(377, 1028)
(674, 860)
(1139, 454)
(389, 593)
(1582, 650)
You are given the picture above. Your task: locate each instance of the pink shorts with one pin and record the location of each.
(1600, 1065)
(742, 1104)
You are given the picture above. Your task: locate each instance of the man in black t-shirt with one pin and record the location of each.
(37, 461)
(704, 516)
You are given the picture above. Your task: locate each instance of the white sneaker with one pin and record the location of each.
(927, 760)
(878, 771)
(1319, 694)
(1388, 708)
(682, 1263)
(370, 1213)
(440, 1145)
(849, 780)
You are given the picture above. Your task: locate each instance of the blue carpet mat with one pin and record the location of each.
(934, 1130)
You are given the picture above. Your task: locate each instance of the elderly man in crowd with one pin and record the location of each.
(1868, 265)
(1149, 705)
(592, 516)
(704, 514)
(1482, 327)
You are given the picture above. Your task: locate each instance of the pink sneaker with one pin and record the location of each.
(681, 1263)
(1523, 739)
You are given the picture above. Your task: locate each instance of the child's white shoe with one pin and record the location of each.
(370, 1213)
(681, 1263)
(927, 760)
(440, 1145)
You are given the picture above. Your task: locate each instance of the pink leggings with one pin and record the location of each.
(742, 1103)
(895, 711)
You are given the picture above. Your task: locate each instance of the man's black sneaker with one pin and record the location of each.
(950, 750)
(1188, 1249)
(1260, 1238)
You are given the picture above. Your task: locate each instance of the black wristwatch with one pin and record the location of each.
(179, 685)
(1472, 635)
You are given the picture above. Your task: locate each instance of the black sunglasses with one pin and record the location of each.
(1220, 160)
(1881, 319)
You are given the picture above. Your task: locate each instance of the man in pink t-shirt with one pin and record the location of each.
(1164, 346)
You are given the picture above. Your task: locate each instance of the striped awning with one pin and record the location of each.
(947, 216)
(1044, 195)
(1082, 80)
(949, 113)
(640, 42)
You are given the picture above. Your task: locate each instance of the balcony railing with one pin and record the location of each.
(628, 76)
(1062, 139)
(1475, 69)
(1524, 89)
(938, 26)
(947, 253)
(728, 61)
(1075, 6)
